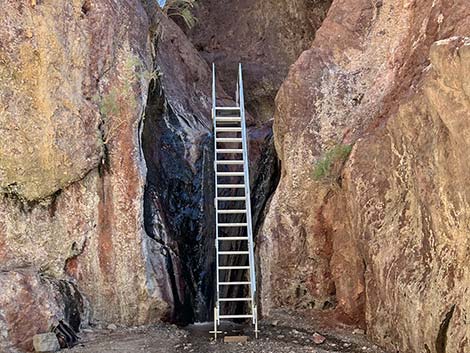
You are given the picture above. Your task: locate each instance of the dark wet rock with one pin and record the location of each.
(178, 202)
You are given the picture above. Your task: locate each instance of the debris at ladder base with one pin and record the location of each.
(235, 339)
(46, 342)
(318, 339)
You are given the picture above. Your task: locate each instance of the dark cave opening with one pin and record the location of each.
(178, 203)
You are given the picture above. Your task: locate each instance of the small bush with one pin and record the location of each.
(182, 9)
(328, 167)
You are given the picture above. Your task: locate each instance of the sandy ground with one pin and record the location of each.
(283, 333)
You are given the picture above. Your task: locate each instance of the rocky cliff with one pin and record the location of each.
(73, 88)
(105, 163)
(377, 234)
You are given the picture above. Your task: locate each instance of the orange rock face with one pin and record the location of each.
(381, 241)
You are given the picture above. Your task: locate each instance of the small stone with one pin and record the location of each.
(358, 331)
(112, 327)
(46, 342)
(280, 336)
(318, 339)
(275, 323)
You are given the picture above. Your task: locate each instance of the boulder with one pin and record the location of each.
(31, 304)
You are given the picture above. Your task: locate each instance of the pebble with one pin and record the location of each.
(358, 331)
(112, 327)
(318, 339)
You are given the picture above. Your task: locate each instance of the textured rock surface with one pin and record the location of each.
(90, 231)
(339, 242)
(31, 304)
(266, 36)
(414, 216)
(38, 155)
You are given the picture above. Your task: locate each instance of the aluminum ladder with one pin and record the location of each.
(232, 177)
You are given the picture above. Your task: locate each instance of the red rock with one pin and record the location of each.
(31, 304)
(265, 36)
(371, 78)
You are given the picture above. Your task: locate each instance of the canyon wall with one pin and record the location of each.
(178, 147)
(105, 164)
(72, 90)
(378, 235)
(266, 36)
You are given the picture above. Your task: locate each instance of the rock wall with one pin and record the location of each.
(379, 238)
(93, 194)
(178, 148)
(266, 36)
(73, 84)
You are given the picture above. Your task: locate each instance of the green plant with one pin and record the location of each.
(182, 9)
(328, 166)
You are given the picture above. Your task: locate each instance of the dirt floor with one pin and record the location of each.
(283, 333)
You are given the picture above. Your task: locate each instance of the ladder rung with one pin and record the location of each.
(230, 161)
(228, 139)
(230, 173)
(227, 119)
(231, 198)
(230, 211)
(230, 186)
(234, 252)
(234, 299)
(232, 224)
(229, 150)
(228, 129)
(227, 108)
(234, 283)
(235, 316)
(233, 238)
(234, 267)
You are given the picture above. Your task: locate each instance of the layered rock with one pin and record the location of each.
(266, 36)
(369, 241)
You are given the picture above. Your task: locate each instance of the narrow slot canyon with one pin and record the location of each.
(357, 116)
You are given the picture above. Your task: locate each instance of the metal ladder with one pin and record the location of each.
(231, 163)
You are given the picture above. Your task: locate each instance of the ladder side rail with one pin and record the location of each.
(216, 206)
(247, 191)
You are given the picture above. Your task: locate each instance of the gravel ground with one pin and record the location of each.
(284, 333)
